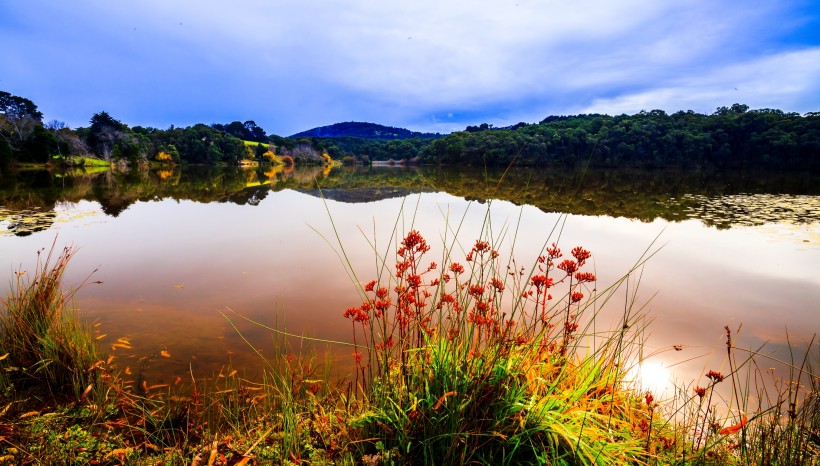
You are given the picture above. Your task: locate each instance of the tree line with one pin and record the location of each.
(24, 137)
(730, 138)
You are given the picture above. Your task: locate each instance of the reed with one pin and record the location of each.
(43, 341)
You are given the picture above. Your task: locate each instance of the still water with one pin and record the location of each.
(183, 254)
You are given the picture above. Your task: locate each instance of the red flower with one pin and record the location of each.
(414, 281)
(481, 246)
(715, 376)
(576, 296)
(456, 268)
(497, 284)
(585, 277)
(581, 255)
(700, 392)
(541, 281)
(476, 290)
(568, 266)
(370, 285)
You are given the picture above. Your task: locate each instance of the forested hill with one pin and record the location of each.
(730, 138)
(364, 131)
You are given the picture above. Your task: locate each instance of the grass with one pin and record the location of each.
(80, 161)
(468, 359)
(42, 341)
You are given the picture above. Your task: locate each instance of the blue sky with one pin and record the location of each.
(426, 65)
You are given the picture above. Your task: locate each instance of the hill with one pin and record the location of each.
(364, 131)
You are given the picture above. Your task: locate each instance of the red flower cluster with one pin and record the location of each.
(715, 376)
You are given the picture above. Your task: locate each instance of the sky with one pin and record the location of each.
(425, 65)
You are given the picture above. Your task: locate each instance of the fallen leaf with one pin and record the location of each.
(102, 336)
(732, 429)
(4, 356)
(165, 354)
(29, 414)
(128, 370)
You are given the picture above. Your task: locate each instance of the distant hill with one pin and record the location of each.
(364, 131)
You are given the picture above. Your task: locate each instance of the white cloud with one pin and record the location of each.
(789, 81)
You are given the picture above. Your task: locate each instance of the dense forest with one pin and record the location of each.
(730, 138)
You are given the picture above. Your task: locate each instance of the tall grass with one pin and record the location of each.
(42, 340)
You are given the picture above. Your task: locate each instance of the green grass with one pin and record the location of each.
(254, 143)
(82, 161)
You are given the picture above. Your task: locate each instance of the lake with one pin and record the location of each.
(184, 253)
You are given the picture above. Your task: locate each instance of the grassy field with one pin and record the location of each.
(456, 361)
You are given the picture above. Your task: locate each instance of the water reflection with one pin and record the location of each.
(263, 251)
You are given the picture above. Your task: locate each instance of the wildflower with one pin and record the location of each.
(481, 246)
(541, 281)
(351, 312)
(576, 296)
(554, 251)
(414, 281)
(585, 277)
(414, 241)
(649, 398)
(357, 357)
(700, 392)
(476, 290)
(715, 376)
(497, 284)
(456, 268)
(568, 266)
(581, 255)
(452, 334)
(370, 285)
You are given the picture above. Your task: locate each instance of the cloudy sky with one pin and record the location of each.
(427, 65)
